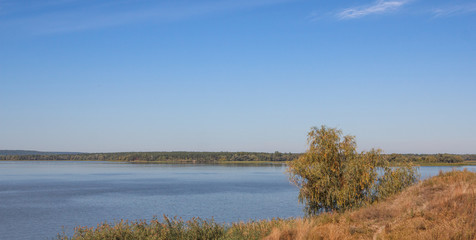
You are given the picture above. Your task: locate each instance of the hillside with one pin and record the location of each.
(442, 207)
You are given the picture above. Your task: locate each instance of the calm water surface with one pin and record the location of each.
(38, 198)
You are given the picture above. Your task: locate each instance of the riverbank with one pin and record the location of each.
(421, 164)
(221, 157)
(442, 207)
(459, 164)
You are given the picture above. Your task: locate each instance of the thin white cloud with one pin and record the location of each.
(454, 10)
(314, 16)
(378, 7)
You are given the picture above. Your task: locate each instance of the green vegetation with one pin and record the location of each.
(27, 152)
(164, 157)
(442, 207)
(219, 157)
(465, 163)
(175, 228)
(426, 158)
(333, 176)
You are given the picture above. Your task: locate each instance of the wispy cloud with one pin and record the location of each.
(454, 10)
(314, 16)
(379, 7)
(97, 16)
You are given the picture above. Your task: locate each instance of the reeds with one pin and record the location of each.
(175, 228)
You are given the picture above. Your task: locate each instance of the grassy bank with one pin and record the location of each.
(440, 164)
(458, 164)
(442, 207)
(175, 228)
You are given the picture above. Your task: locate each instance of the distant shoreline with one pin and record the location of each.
(222, 157)
(465, 163)
(418, 164)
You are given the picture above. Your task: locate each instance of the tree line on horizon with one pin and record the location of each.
(210, 157)
(430, 158)
(198, 157)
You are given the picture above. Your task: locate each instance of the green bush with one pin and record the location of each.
(333, 176)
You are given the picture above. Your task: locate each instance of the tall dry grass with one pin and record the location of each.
(175, 229)
(442, 207)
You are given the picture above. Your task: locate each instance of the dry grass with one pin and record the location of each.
(443, 207)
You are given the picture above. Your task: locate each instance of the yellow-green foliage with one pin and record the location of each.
(332, 175)
(175, 228)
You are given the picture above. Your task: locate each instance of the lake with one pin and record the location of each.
(39, 198)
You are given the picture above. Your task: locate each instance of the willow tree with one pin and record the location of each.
(333, 176)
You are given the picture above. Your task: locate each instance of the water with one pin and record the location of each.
(430, 171)
(38, 198)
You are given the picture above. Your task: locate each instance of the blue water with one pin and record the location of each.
(37, 199)
(426, 172)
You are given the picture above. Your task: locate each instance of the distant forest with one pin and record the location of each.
(209, 157)
(430, 158)
(29, 152)
(198, 157)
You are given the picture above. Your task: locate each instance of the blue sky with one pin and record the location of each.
(237, 75)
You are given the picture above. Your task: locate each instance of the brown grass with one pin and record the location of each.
(442, 207)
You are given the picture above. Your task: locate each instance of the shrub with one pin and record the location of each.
(333, 176)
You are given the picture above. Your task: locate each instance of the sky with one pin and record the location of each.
(237, 75)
